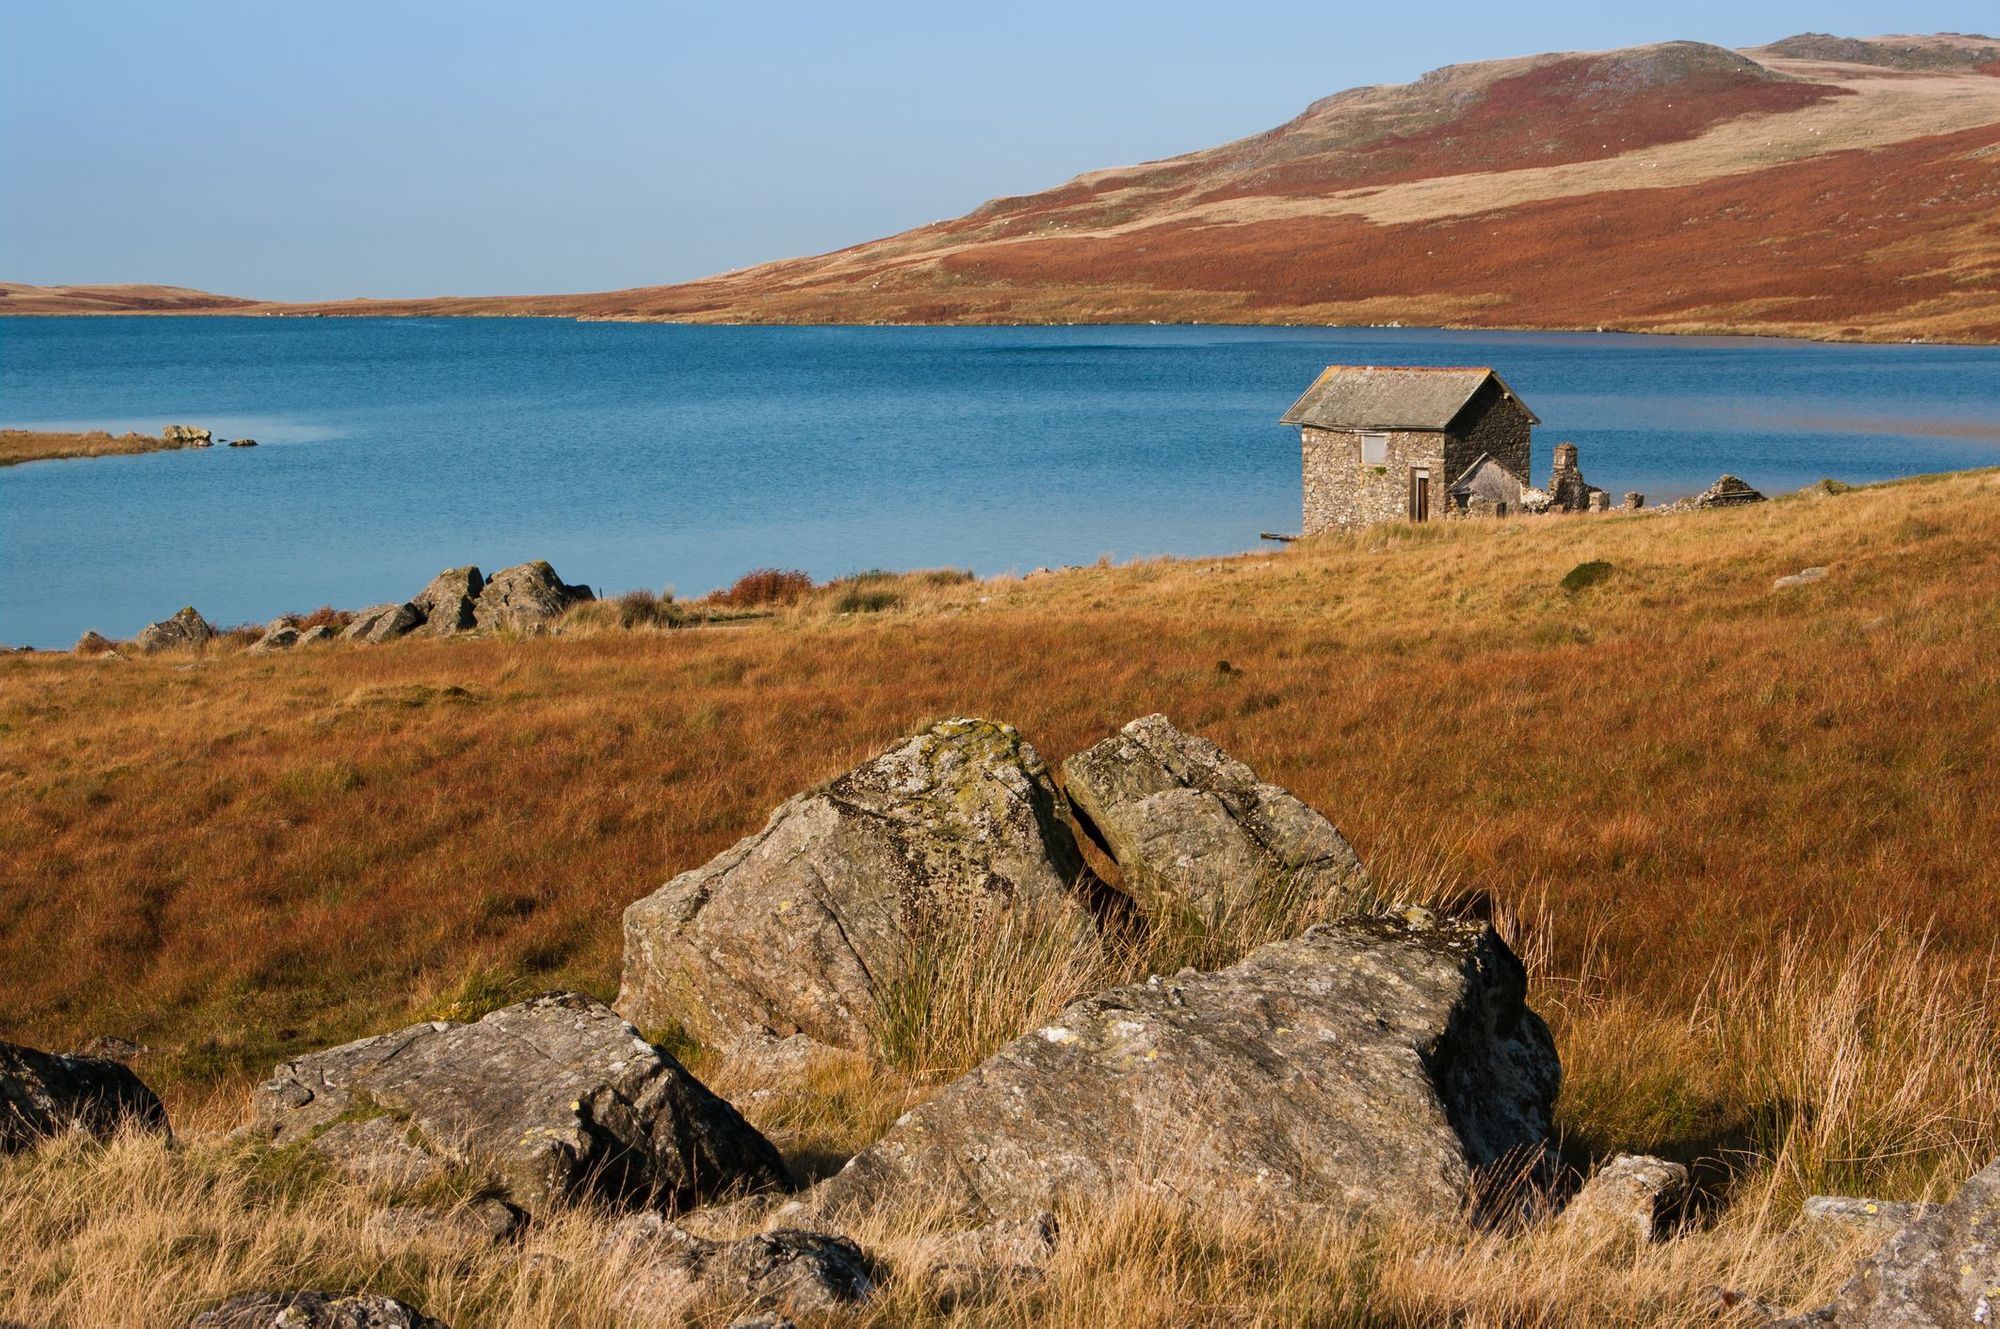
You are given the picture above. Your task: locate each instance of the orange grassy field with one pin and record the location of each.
(1744, 838)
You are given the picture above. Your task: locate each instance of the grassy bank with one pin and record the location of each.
(1742, 836)
(19, 445)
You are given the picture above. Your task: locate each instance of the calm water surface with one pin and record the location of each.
(635, 455)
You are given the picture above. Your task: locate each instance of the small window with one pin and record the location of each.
(1374, 449)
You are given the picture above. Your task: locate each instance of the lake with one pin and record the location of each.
(637, 455)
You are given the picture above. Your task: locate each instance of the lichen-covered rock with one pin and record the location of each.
(447, 603)
(1190, 827)
(806, 926)
(316, 634)
(1373, 1064)
(381, 623)
(46, 1093)
(94, 642)
(187, 628)
(526, 598)
(1633, 1199)
(787, 1269)
(557, 1096)
(187, 436)
(1940, 1272)
(313, 1310)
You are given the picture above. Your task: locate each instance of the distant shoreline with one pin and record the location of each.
(352, 310)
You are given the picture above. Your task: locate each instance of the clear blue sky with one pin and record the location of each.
(427, 147)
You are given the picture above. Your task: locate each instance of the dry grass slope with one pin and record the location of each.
(1742, 837)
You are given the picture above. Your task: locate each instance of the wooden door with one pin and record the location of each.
(1420, 496)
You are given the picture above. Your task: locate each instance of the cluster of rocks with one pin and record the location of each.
(187, 436)
(526, 598)
(194, 436)
(1726, 492)
(1382, 1063)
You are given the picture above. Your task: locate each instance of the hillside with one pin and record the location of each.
(1819, 186)
(17, 298)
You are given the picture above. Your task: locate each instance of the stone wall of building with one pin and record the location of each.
(1496, 425)
(1343, 492)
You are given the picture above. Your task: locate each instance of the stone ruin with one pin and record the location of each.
(1568, 490)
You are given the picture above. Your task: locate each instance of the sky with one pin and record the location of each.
(318, 151)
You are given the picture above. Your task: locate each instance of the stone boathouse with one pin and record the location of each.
(1405, 443)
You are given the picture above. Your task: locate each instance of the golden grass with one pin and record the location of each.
(1742, 837)
(19, 445)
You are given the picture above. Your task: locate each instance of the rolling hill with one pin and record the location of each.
(1818, 186)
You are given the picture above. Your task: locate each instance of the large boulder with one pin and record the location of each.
(382, 623)
(806, 926)
(1372, 1065)
(1942, 1270)
(447, 603)
(313, 1310)
(46, 1093)
(187, 628)
(1190, 827)
(557, 1096)
(526, 598)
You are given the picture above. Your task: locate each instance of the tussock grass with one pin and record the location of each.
(1743, 842)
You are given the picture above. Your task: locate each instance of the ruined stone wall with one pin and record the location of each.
(1494, 424)
(1341, 492)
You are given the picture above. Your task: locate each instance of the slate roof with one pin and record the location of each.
(1392, 397)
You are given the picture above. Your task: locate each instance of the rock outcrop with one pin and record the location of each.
(185, 629)
(313, 1310)
(1372, 1065)
(1941, 1270)
(242, 442)
(557, 1096)
(786, 1269)
(187, 436)
(1803, 577)
(1190, 827)
(94, 642)
(526, 598)
(381, 623)
(447, 603)
(46, 1093)
(807, 925)
(317, 633)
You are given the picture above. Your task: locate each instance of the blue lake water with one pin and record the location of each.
(644, 455)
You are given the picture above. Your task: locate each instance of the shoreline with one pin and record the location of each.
(312, 311)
